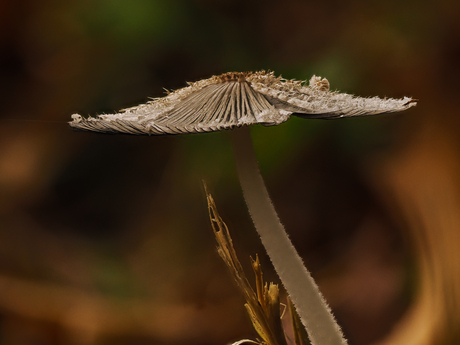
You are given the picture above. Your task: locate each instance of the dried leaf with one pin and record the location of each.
(244, 341)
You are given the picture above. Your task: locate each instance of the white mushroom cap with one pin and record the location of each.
(238, 99)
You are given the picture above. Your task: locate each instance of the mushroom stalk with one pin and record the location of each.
(311, 306)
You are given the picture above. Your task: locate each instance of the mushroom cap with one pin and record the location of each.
(238, 99)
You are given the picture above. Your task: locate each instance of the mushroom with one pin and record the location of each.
(237, 99)
(240, 99)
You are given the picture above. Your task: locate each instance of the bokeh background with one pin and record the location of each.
(105, 239)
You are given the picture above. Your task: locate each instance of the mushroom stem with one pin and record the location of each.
(311, 306)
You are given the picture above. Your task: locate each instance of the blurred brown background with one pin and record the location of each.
(105, 239)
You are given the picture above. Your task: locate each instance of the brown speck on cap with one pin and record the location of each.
(233, 76)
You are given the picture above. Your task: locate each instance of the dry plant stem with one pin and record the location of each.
(263, 307)
(302, 289)
(300, 334)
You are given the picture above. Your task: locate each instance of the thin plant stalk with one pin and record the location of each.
(311, 306)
